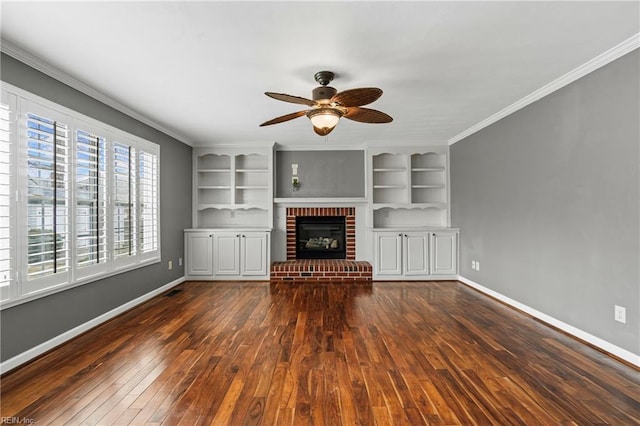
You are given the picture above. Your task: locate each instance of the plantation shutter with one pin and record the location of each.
(91, 198)
(6, 211)
(124, 200)
(47, 196)
(148, 192)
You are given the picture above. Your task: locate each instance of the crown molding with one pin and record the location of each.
(599, 61)
(57, 74)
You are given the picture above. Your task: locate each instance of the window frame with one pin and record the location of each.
(22, 288)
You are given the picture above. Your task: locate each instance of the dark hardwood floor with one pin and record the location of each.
(388, 353)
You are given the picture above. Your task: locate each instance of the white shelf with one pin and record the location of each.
(214, 170)
(389, 186)
(251, 207)
(230, 228)
(428, 169)
(389, 169)
(214, 187)
(427, 186)
(252, 187)
(415, 228)
(201, 207)
(252, 170)
(441, 206)
(404, 206)
(319, 200)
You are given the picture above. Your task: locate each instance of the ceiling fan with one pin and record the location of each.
(328, 106)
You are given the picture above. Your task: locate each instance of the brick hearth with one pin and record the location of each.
(321, 270)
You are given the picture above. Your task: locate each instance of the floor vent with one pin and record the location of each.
(172, 293)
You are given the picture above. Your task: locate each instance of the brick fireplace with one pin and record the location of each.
(347, 269)
(349, 214)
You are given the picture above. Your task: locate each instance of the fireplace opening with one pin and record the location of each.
(320, 237)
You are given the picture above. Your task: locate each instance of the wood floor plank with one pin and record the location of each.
(234, 353)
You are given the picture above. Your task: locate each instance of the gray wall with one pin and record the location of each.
(331, 174)
(30, 324)
(547, 200)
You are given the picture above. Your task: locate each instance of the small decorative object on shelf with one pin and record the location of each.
(295, 182)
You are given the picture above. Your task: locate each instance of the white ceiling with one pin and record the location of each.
(200, 69)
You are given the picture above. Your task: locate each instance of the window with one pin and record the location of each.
(87, 199)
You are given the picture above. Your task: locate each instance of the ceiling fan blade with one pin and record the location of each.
(357, 97)
(284, 118)
(292, 99)
(366, 115)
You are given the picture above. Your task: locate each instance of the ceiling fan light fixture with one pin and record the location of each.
(324, 118)
(328, 105)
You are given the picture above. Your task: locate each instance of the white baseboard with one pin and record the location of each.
(36, 351)
(621, 353)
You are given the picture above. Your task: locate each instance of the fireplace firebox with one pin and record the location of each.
(320, 237)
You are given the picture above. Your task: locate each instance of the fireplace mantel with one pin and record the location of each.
(331, 202)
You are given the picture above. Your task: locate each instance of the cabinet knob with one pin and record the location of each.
(243, 236)
(237, 235)
(399, 235)
(210, 235)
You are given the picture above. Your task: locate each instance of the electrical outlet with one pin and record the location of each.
(477, 266)
(179, 261)
(170, 264)
(620, 314)
(473, 265)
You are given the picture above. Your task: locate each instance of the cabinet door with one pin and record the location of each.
(254, 258)
(226, 251)
(199, 256)
(388, 259)
(445, 254)
(416, 253)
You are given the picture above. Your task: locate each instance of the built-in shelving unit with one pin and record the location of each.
(409, 187)
(402, 200)
(233, 187)
(410, 215)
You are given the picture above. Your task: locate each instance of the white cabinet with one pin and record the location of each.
(415, 251)
(198, 257)
(225, 254)
(254, 254)
(241, 254)
(388, 253)
(403, 254)
(444, 253)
